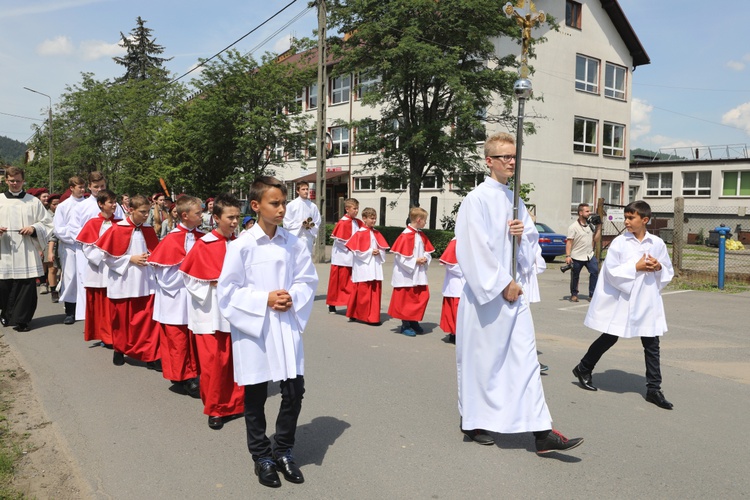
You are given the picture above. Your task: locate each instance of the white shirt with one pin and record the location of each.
(297, 211)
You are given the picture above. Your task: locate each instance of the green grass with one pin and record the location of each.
(10, 452)
(706, 285)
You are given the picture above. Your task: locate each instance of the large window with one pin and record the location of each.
(340, 87)
(366, 137)
(299, 99)
(587, 74)
(312, 96)
(466, 182)
(584, 135)
(583, 192)
(696, 184)
(659, 184)
(432, 182)
(367, 80)
(573, 14)
(613, 140)
(614, 81)
(364, 183)
(612, 192)
(340, 138)
(736, 183)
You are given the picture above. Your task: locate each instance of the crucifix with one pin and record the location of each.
(526, 19)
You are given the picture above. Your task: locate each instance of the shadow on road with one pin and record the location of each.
(314, 439)
(618, 381)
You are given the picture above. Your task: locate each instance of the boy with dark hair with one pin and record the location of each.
(302, 217)
(411, 292)
(628, 302)
(176, 343)
(66, 246)
(221, 395)
(266, 291)
(340, 280)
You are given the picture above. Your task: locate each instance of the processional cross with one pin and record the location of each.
(526, 19)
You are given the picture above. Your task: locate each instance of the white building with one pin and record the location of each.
(580, 150)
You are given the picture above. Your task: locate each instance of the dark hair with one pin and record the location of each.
(105, 195)
(639, 207)
(582, 206)
(95, 176)
(262, 184)
(222, 201)
(302, 183)
(76, 180)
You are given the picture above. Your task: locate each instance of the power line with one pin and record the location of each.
(292, 21)
(24, 117)
(696, 118)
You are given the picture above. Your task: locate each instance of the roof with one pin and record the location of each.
(626, 31)
(329, 175)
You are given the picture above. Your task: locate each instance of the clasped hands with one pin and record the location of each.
(648, 264)
(279, 300)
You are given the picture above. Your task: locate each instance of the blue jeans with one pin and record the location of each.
(593, 268)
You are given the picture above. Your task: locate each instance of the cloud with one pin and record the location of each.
(640, 118)
(739, 65)
(96, 49)
(738, 117)
(282, 44)
(58, 46)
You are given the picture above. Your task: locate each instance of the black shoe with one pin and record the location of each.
(584, 378)
(657, 397)
(556, 442)
(193, 387)
(118, 359)
(22, 327)
(543, 368)
(265, 469)
(3, 321)
(289, 469)
(215, 423)
(69, 320)
(479, 436)
(154, 365)
(331, 309)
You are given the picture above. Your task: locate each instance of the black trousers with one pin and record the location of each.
(650, 350)
(258, 443)
(18, 300)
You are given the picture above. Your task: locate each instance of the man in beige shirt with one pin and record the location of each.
(579, 251)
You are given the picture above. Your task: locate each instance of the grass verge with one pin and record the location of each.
(10, 450)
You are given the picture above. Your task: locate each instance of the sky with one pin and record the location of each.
(695, 92)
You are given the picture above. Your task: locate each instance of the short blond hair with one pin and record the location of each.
(416, 213)
(498, 138)
(351, 202)
(369, 212)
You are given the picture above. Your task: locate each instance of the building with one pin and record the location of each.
(583, 73)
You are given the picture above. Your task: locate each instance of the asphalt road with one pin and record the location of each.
(379, 419)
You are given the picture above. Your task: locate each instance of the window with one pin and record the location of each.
(432, 182)
(367, 80)
(587, 74)
(633, 193)
(340, 138)
(278, 151)
(696, 184)
(366, 137)
(583, 192)
(736, 183)
(364, 183)
(299, 99)
(294, 147)
(612, 192)
(584, 135)
(312, 96)
(312, 146)
(573, 14)
(340, 87)
(614, 81)
(389, 183)
(466, 182)
(613, 140)
(659, 184)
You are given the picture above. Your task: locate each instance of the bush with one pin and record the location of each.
(439, 238)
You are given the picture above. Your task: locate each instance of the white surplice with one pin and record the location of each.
(19, 254)
(66, 248)
(340, 255)
(171, 299)
(95, 275)
(499, 384)
(406, 271)
(627, 303)
(297, 211)
(266, 344)
(204, 316)
(126, 280)
(365, 265)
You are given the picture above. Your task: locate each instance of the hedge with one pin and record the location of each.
(438, 237)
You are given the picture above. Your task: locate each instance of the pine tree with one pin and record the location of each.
(141, 61)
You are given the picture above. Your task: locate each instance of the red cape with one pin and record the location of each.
(343, 229)
(360, 242)
(205, 260)
(116, 241)
(449, 255)
(404, 244)
(171, 250)
(90, 232)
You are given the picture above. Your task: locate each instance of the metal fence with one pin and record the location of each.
(690, 233)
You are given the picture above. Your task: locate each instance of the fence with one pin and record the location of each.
(690, 232)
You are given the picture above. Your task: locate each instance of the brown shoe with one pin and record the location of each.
(574, 298)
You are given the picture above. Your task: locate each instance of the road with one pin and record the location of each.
(379, 418)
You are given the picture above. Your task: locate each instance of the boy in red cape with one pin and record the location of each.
(200, 270)
(452, 286)
(98, 321)
(176, 343)
(410, 295)
(340, 281)
(368, 249)
(130, 286)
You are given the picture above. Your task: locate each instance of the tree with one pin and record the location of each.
(140, 62)
(440, 81)
(229, 131)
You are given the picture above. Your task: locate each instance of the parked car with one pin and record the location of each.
(552, 243)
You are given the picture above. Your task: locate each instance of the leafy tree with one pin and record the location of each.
(11, 151)
(226, 134)
(141, 61)
(441, 81)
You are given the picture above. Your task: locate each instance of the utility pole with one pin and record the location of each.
(319, 250)
(49, 129)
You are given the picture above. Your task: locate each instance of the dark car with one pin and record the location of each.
(552, 244)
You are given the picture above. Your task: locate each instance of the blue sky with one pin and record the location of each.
(695, 92)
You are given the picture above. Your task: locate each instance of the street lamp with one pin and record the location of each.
(49, 128)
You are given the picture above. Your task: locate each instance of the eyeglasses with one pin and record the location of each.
(503, 157)
(13, 181)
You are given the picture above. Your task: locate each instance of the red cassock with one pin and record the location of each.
(134, 332)
(340, 284)
(365, 300)
(220, 394)
(409, 303)
(449, 310)
(176, 343)
(98, 322)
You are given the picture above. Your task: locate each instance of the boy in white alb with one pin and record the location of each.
(340, 279)
(302, 217)
(66, 247)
